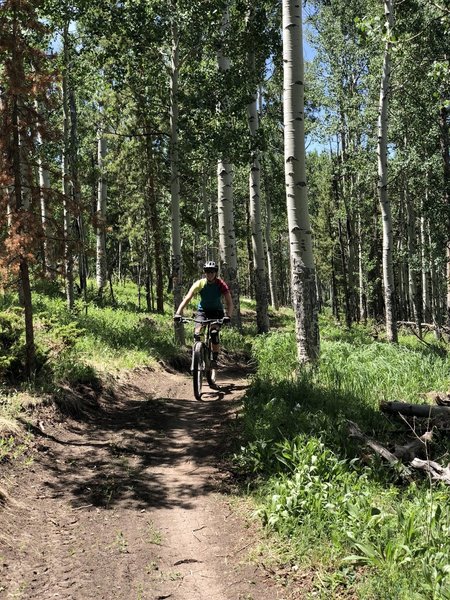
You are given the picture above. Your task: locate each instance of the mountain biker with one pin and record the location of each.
(212, 290)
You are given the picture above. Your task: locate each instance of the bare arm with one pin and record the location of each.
(228, 304)
(186, 300)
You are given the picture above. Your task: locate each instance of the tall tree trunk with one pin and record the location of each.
(177, 267)
(300, 235)
(445, 152)
(76, 193)
(436, 299)
(412, 262)
(22, 218)
(227, 237)
(268, 225)
(269, 247)
(155, 224)
(102, 192)
(250, 290)
(362, 293)
(388, 269)
(67, 212)
(44, 188)
(343, 252)
(259, 267)
(207, 216)
(426, 278)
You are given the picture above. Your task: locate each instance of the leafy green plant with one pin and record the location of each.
(341, 509)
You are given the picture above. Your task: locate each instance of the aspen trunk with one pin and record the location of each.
(445, 152)
(268, 226)
(227, 238)
(44, 187)
(67, 213)
(388, 269)
(362, 294)
(102, 191)
(259, 267)
(76, 193)
(412, 269)
(155, 226)
(177, 271)
(426, 277)
(300, 235)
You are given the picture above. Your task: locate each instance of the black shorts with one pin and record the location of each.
(204, 315)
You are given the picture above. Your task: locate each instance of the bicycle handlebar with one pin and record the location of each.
(202, 321)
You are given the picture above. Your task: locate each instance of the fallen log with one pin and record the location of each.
(426, 411)
(425, 326)
(434, 469)
(356, 432)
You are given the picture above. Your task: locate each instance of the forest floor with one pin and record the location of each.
(133, 500)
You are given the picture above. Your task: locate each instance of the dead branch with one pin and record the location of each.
(425, 326)
(355, 432)
(434, 469)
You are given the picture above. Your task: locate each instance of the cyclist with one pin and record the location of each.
(212, 290)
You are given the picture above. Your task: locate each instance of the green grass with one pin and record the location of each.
(343, 513)
(354, 519)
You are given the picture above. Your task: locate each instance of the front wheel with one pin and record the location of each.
(197, 369)
(210, 373)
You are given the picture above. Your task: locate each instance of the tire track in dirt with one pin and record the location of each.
(125, 503)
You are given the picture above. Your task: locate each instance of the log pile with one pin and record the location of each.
(415, 454)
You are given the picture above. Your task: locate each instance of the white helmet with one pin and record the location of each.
(210, 265)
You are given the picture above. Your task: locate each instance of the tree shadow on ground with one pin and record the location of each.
(137, 451)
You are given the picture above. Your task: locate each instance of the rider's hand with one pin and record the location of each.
(177, 318)
(226, 320)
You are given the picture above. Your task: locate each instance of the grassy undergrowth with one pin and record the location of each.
(84, 346)
(365, 530)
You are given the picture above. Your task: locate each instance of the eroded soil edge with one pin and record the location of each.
(126, 502)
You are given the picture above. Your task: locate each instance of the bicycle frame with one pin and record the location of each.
(202, 356)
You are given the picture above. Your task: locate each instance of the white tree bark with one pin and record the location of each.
(300, 235)
(225, 209)
(425, 259)
(412, 268)
(102, 192)
(268, 227)
(177, 271)
(44, 187)
(68, 258)
(259, 266)
(388, 269)
(362, 302)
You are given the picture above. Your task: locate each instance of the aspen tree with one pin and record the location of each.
(300, 235)
(102, 192)
(227, 236)
(177, 273)
(259, 268)
(383, 196)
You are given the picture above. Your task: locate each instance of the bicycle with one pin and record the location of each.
(202, 357)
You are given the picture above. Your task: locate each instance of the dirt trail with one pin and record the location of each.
(126, 503)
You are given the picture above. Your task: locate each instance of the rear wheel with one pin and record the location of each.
(197, 370)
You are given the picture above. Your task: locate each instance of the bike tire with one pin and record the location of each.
(210, 373)
(197, 370)
(211, 378)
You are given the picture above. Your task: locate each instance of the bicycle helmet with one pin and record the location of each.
(210, 265)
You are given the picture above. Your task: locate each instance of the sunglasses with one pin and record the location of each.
(210, 271)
